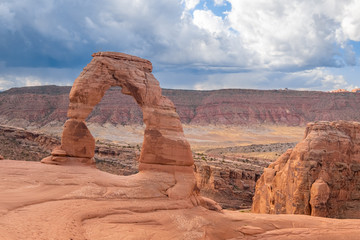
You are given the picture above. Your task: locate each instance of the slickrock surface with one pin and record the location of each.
(40, 201)
(319, 177)
(228, 181)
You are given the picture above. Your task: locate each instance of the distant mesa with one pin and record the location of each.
(319, 177)
(164, 148)
(48, 105)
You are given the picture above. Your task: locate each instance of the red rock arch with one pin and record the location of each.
(164, 147)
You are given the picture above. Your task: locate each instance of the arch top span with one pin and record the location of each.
(142, 64)
(164, 141)
(165, 149)
(109, 69)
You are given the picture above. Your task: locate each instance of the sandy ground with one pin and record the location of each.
(206, 137)
(39, 201)
(201, 138)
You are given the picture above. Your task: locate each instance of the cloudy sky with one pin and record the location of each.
(193, 44)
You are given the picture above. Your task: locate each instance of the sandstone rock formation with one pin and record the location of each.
(319, 177)
(229, 183)
(41, 201)
(164, 148)
(19, 144)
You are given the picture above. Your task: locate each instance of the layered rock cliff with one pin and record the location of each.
(17, 143)
(319, 177)
(230, 183)
(39, 106)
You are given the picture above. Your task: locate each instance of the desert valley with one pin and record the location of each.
(176, 164)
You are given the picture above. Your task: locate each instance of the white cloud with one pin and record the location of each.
(8, 81)
(351, 21)
(285, 34)
(316, 79)
(19, 77)
(207, 20)
(30, 81)
(276, 35)
(265, 38)
(190, 4)
(244, 80)
(4, 84)
(319, 79)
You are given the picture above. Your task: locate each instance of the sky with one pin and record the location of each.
(193, 44)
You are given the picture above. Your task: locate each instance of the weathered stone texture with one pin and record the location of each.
(164, 149)
(319, 177)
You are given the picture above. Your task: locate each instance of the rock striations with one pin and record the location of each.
(164, 148)
(43, 105)
(319, 177)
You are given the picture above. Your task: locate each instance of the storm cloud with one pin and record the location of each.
(193, 44)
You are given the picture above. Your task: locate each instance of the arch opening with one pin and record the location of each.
(164, 147)
(117, 126)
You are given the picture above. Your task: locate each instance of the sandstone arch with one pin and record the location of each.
(164, 149)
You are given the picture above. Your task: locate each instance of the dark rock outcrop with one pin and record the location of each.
(17, 143)
(230, 183)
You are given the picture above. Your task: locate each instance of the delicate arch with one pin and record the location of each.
(164, 147)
